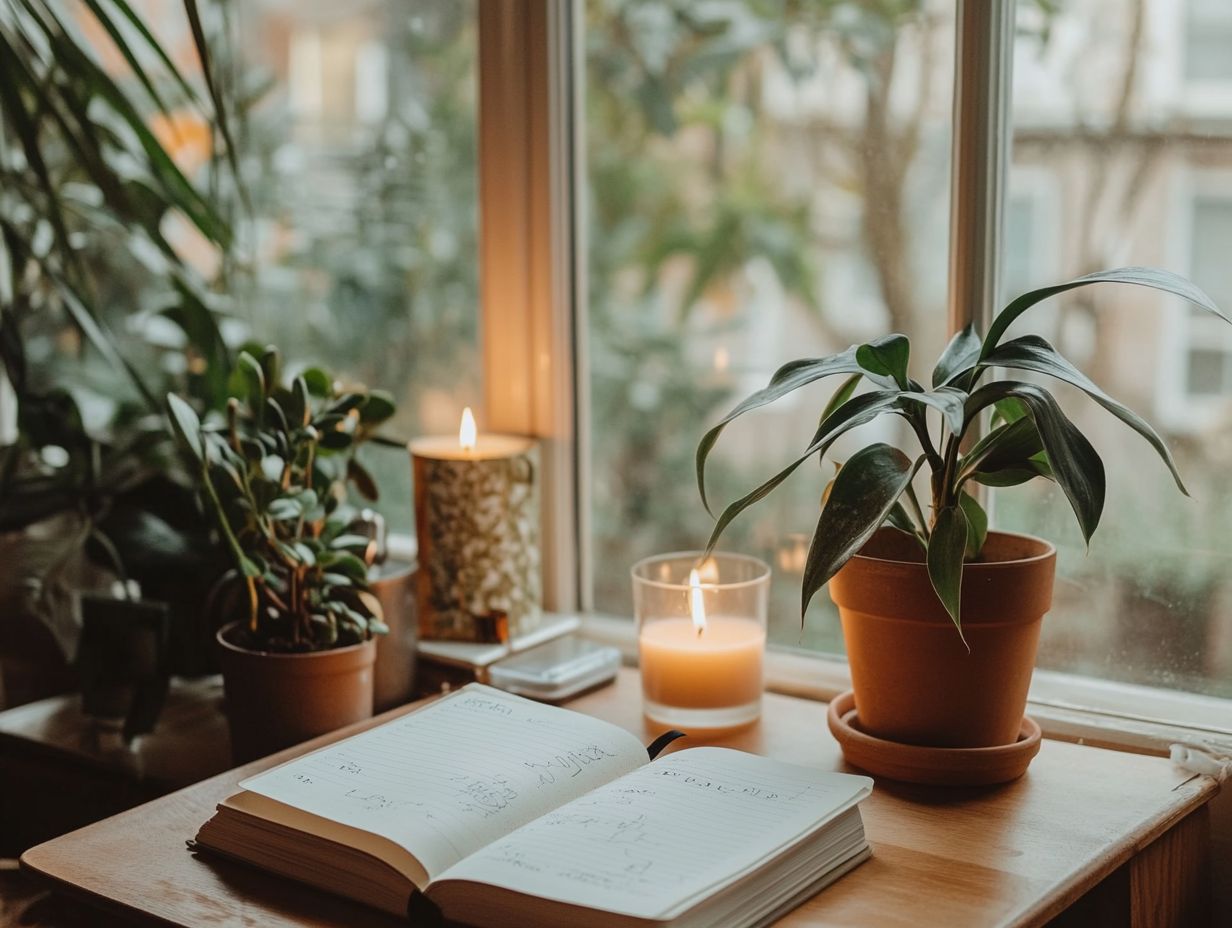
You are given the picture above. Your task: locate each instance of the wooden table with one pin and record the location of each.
(1090, 836)
(59, 770)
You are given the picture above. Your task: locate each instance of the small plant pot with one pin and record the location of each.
(276, 700)
(914, 681)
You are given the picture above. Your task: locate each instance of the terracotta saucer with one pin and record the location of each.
(934, 766)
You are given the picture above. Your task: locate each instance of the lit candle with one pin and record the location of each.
(477, 522)
(700, 643)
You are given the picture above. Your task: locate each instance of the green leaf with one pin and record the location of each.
(947, 545)
(1139, 276)
(299, 412)
(787, 378)
(959, 356)
(841, 395)
(1013, 476)
(284, 509)
(207, 69)
(898, 518)
(186, 425)
(348, 564)
(253, 378)
(977, 524)
(1078, 469)
(863, 494)
(1032, 353)
(336, 440)
(320, 384)
(271, 367)
(854, 412)
(949, 401)
(1005, 446)
(887, 358)
(364, 482)
(378, 407)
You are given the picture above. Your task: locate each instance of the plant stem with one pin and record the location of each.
(917, 512)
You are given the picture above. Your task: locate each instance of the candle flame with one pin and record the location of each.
(468, 435)
(697, 604)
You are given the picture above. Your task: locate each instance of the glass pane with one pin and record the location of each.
(1101, 131)
(763, 187)
(1208, 36)
(360, 152)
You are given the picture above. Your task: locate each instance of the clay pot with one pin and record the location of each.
(276, 700)
(392, 583)
(914, 681)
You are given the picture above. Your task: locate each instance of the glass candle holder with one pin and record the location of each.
(701, 636)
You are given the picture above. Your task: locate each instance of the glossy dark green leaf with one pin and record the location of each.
(959, 356)
(121, 44)
(320, 384)
(977, 524)
(864, 492)
(299, 411)
(1005, 446)
(186, 424)
(271, 366)
(856, 411)
(363, 480)
(1032, 353)
(211, 85)
(1139, 276)
(897, 518)
(841, 395)
(1078, 469)
(787, 378)
(886, 359)
(949, 401)
(253, 379)
(377, 407)
(947, 546)
(1013, 476)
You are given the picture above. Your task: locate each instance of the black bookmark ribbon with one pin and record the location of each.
(655, 748)
(423, 912)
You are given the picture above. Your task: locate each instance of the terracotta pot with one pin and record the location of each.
(392, 583)
(277, 700)
(914, 681)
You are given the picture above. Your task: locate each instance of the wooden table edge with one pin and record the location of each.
(1191, 795)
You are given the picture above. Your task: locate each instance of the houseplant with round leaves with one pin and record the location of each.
(297, 651)
(940, 615)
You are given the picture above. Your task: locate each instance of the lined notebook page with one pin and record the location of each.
(666, 833)
(447, 780)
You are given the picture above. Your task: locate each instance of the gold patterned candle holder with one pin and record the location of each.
(477, 520)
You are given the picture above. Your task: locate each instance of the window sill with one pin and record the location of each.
(1085, 710)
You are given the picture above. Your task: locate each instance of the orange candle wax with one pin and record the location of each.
(721, 666)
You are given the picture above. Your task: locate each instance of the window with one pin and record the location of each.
(760, 188)
(1207, 361)
(1149, 603)
(1208, 35)
(361, 149)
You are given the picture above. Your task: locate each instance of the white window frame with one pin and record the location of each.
(533, 329)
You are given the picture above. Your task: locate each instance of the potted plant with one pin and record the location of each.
(940, 615)
(297, 653)
(89, 490)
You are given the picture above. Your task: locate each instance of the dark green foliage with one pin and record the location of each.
(273, 476)
(1031, 437)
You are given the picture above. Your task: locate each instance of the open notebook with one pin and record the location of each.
(502, 811)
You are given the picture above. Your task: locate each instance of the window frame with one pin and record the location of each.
(533, 312)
